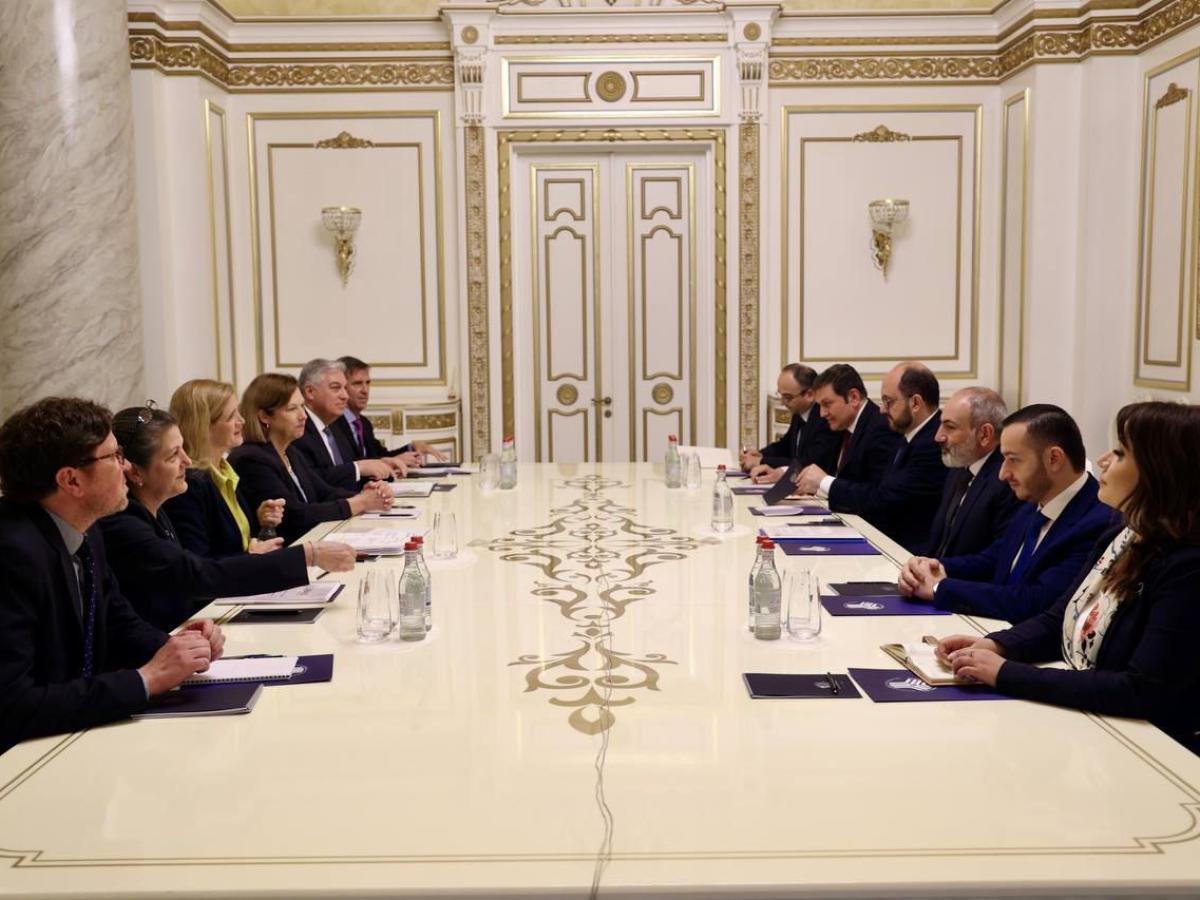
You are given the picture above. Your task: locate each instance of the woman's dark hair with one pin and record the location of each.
(1163, 509)
(44, 437)
(139, 431)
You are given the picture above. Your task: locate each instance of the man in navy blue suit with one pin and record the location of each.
(976, 505)
(808, 438)
(1049, 539)
(902, 501)
(357, 429)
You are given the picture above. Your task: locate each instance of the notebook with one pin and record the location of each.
(255, 669)
(412, 489)
(377, 540)
(801, 531)
(782, 489)
(210, 700)
(791, 509)
(266, 615)
(317, 592)
(921, 659)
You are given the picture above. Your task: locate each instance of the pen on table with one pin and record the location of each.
(833, 685)
(322, 575)
(256, 656)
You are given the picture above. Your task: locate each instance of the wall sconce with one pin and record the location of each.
(885, 215)
(343, 222)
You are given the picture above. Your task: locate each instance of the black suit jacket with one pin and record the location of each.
(315, 452)
(374, 448)
(873, 446)
(904, 500)
(978, 583)
(263, 477)
(805, 443)
(203, 522)
(1147, 666)
(42, 690)
(166, 584)
(986, 509)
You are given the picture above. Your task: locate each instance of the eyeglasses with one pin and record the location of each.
(886, 402)
(118, 455)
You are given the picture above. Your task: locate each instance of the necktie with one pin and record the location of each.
(1025, 557)
(357, 426)
(332, 444)
(87, 595)
(965, 480)
(844, 450)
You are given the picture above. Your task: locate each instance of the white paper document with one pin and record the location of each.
(224, 671)
(795, 509)
(412, 488)
(798, 531)
(317, 592)
(438, 470)
(377, 540)
(711, 457)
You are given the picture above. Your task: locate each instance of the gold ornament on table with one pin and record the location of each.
(343, 222)
(885, 216)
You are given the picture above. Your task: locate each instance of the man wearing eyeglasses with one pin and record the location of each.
(73, 653)
(808, 439)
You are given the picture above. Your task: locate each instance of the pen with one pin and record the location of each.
(322, 575)
(833, 685)
(256, 656)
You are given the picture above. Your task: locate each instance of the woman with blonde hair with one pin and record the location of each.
(213, 518)
(270, 466)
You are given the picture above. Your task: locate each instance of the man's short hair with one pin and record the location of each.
(803, 375)
(352, 365)
(987, 407)
(314, 370)
(44, 437)
(842, 378)
(1048, 425)
(917, 380)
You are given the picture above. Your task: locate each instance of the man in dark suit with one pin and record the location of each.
(357, 429)
(1047, 542)
(976, 505)
(808, 439)
(326, 449)
(897, 443)
(73, 653)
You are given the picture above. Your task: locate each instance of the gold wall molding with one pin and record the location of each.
(475, 216)
(881, 134)
(148, 18)
(683, 38)
(1173, 95)
(749, 213)
(344, 141)
(611, 87)
(430, 422)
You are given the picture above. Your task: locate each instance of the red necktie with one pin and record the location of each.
(842, 454)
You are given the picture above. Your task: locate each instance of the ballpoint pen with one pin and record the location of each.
(833, 685)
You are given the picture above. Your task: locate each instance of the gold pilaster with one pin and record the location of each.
(474, 159)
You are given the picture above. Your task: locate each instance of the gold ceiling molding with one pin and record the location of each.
(1174, 94)
(344, 141)
(148, 18)
(641, 38)
(881, 134)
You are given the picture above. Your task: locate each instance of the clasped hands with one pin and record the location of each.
(191, 650)
(972, 658)
(919, 577)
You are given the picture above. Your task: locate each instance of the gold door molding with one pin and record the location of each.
(216, 136)
(506, 139)
(1021, 101)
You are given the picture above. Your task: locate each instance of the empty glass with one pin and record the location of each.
(376, 606)
(445, 536)
(489, 472)
(691, 471)
(802, 599)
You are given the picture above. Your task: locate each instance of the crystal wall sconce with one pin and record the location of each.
(885, 216)
(343, 222)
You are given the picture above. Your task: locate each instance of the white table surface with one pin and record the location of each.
(466, 763)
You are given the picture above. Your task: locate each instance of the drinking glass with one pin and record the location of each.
(489, 472)
(445, 536)
(802, 598)
(691, 471)
(376, 606)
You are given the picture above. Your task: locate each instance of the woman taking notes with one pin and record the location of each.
(269, 468)
(213, 517)
(1127, 629)
(165, 583)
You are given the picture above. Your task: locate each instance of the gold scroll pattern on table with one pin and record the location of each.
(593, 558)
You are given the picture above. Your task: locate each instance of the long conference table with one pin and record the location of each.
(578, 713)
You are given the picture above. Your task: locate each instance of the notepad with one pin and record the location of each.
(711, 457)
(377, 540)
(396, 512)
(437, 471)
(790, 509)
(798, 531)
(210, 700)
(921, 659)
(233, 671)
(317, 592)
(412, 489)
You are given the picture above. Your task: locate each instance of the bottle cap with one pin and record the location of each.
(673, 438)
(768, 544)
(417, 539)
(410, 546)
(721, 468)
(760, 539)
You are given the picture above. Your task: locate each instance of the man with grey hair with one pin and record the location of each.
(976, 505)
(324, 448)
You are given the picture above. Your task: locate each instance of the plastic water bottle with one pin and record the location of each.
(754, 567)
(722, 507)
(412, 596)
(508, 464)
(674, 463)
(768, 596)
(428, 576)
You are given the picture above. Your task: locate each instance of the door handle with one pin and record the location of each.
(602, 401)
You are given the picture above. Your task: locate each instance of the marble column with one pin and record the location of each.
(70, 307)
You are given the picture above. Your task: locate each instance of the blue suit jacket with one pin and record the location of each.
(203, 522)
(374, 448)
(904, 501)
(873, 446)
(976, 584)
(312, 448)
(1147, 666)
(42, 690)
(983, 516)
(810, 442)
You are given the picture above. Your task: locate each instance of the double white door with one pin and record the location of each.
(610, 281)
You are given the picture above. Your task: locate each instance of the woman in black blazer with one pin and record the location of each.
(269, 467)
(212, 517)
(1127, 628)
(165, 583)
